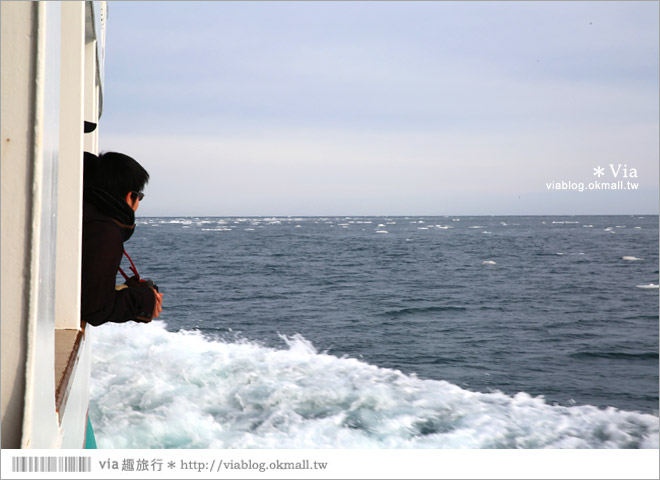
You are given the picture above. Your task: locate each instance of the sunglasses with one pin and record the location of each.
(139, 195)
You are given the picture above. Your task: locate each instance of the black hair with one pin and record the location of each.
(117, 174)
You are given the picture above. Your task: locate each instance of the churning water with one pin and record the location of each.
(387, 332)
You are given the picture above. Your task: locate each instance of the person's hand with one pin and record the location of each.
(158, 306)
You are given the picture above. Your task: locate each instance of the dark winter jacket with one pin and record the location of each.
(107, 223)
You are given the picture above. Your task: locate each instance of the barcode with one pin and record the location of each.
(51, 464)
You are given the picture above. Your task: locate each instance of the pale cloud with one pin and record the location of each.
(382, 107)
(292, 172)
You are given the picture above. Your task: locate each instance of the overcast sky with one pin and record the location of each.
(385, 108)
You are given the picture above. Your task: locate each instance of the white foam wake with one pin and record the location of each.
(152, 388)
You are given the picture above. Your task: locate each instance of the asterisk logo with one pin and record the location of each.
(171, 465)
(599, 171)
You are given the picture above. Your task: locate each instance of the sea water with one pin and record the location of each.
(387, 332)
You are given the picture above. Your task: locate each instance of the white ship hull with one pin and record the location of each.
(52, 70)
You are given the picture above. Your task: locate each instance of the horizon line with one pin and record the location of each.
(412, 215)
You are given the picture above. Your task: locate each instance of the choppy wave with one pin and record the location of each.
(400, 312)
(152, 388)
(618, 355)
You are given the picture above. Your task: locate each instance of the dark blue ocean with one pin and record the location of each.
(401, 332)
